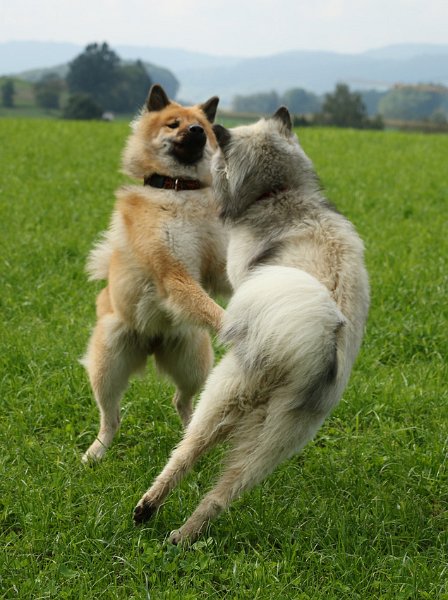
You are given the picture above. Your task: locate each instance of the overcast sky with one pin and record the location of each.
(229, 27)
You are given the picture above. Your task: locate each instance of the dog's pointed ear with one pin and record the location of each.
(209, 108)
(282, 115)
(157, 98)
(223, 136)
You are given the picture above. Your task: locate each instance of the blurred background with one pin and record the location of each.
(368, 64)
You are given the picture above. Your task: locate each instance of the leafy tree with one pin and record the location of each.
(131, 87)
(344, 108)
(264, 103)
(99, 73)
(302, 120)
(439, 116)
(94, 72)
(444, 103)
(410, 104)
(165, 77)
(371, 99)
(8, 93)
(82, 107)
(375, 122)
(48, 91)
(300, 101)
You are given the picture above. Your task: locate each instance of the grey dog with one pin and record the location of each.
(293, 326)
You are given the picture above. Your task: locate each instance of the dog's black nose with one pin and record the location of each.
(196, 129)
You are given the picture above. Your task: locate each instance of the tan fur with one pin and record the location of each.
(163, 252)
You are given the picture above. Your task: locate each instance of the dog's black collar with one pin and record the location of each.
(171, 183)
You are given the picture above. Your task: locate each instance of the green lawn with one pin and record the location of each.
(361, 513)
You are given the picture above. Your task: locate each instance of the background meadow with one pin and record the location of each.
(361, 513)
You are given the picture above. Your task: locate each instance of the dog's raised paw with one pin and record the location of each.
(144, 511)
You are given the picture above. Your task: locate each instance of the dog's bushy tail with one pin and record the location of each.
(283, 321)
(99, 257)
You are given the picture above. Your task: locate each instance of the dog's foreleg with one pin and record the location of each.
(258, 446)
(183, 296)
(186, 299)
(187, 359)
(111, 357)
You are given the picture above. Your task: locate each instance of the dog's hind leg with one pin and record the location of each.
(187, 360)
(214, 417)
(264, 438)
(112, 356)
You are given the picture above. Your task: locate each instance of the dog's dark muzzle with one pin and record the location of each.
(189, 148)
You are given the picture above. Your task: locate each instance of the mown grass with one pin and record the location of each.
(361, 513)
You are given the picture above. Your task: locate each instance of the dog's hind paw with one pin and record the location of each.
(185, 536)
(94, 453)
(90, 459)
(144, 511)
(175, 537)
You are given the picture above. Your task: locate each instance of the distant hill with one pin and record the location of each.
(16, 57)
(405, 51)
(176, 59)
(315, 71)
(202, 75)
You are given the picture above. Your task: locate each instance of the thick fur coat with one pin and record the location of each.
(163, 253)
(293, 326)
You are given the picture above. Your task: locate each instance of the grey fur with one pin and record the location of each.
(266, 255)
(293, 326)
(313, 397)
(262, 169)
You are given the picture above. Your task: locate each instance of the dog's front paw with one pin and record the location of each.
(219, 321)
(144, 511)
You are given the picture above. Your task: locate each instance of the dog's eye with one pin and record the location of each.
(173, 125)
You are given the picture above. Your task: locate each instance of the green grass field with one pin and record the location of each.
(361, 513)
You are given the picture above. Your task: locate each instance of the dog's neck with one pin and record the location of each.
(177, 184)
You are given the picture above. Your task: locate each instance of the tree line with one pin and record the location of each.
(341, 107)
(98, 81)
(344, 107)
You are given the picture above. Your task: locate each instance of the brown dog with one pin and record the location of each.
(165, 246)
